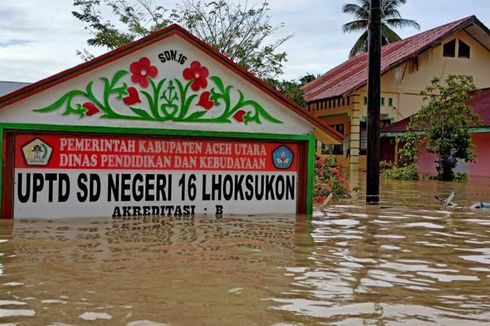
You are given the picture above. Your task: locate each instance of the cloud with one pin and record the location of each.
(7, 43)
(40, 38)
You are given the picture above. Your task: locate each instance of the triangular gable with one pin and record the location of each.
(169, 80)
(352, 74)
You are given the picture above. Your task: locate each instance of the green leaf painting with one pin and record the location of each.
(150, 98)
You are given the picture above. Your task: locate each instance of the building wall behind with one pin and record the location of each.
(410, 78)
(480, 167)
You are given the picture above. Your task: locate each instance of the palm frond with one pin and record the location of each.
(392, 3)
(390, 17)
(354, 26)
(401, 22)
(360, 46)
(390, 13)
(357, 11)
(388, 35)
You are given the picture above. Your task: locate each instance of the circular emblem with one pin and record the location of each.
(282, 157)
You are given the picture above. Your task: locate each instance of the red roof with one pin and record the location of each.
(173, 29)
(353, 73)
(399, 126)
(480, 103)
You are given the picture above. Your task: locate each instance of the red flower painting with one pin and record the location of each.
(132, 97)
(238, 116)
(142, 70)
(91, 109)
(143, 91)
(204, 101)
(198, 74)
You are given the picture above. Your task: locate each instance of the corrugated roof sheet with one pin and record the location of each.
(10, 86)
(353, 73)
(481, 104)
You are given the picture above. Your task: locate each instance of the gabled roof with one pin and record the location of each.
(480, 103)
(321, 129)
(10, 86)
(353, 73)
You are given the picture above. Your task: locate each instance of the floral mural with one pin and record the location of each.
(196, 97)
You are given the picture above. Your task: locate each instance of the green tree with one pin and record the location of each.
(390, 18)
(292, 88)
(442, 124)
(239, 31)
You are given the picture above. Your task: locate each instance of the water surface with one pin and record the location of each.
(407, 261)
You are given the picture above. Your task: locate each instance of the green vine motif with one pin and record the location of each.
(110, 89)
(164, 100)
(223, 93)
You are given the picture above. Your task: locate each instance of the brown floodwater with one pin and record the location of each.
(407, 261)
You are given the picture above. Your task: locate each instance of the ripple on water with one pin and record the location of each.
(17, 313)
(352, 265)
(423, 225)
(341, 222)
(145, 323)
(88, 315)
(11, 303)
(13, 284)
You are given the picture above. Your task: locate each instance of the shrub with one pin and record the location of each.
(329, 179)
(408, 172)
(460, 177)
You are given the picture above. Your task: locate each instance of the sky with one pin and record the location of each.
(39, 38)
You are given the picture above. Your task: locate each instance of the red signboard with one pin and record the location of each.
(130, 153)
(76, 175)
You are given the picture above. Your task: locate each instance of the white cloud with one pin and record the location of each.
(40, 37)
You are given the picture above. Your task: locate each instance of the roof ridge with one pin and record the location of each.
(456, 22)
(352, 73)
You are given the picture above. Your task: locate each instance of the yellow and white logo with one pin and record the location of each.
(37, 152)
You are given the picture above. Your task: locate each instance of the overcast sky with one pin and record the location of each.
(39, 38)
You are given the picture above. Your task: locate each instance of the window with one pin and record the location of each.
(449, 49)
(337, 149)
(382, 101)
(363, 140)
(365, 100)
(390, 101)
(463, 50)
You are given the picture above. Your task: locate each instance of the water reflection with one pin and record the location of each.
(148, 271)
(405, 262)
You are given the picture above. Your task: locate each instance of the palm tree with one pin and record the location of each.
(390, 17)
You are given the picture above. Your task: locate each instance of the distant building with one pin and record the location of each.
(426, 162)
(10, 86)
(339, 97)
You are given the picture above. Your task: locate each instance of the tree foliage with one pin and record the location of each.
(239, 31)
(292, 88)
(390, 18)
(442, 125)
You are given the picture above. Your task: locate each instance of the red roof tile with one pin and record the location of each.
(352, 74)
(399, 126)
(481, 104)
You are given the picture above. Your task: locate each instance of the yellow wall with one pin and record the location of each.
(407, 87)
(403, 85)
